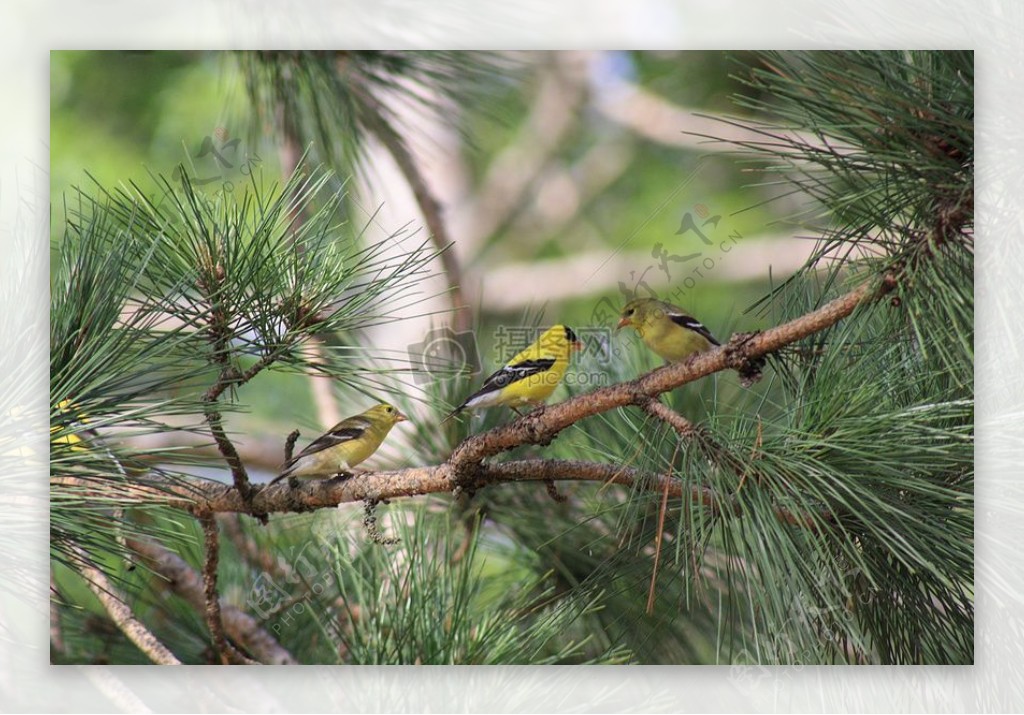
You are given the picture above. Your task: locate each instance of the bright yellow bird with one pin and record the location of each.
(69, 430)
(530, 377)
(667, 329)
(348, 443)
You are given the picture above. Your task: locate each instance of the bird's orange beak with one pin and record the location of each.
(623, 322)
(575, 346)
(399, 417)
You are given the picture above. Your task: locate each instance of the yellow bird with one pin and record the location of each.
(69, 429)
(530, 377)
(66, 431)
(348, 443)
(667, 329)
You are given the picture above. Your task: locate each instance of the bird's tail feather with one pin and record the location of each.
(451, 414)
(279, 477)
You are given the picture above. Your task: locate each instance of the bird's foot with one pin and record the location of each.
(341, 476)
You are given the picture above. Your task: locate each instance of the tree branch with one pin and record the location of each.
(224, 650)
(196, 495)
(465, 467)
(683, 427)
(187, 583)
(121, 614)
(230, 377)
(429, 207)
(740, 353)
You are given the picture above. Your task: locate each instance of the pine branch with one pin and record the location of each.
(740, 353)
(683, 427)
(314, 494)
(121, 613)
(187, 583)
(465, 467)
(662, 510)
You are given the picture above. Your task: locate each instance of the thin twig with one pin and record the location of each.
(553, 492)
(683, 427)
(56, 632)
(223, 649)
(662, 509)
(230, 377)
(227, 450)
(120, 613)
(289, 445)
(370, 525)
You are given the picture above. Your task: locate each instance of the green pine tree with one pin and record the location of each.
(816, 509)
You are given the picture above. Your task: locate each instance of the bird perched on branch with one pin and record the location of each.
(667, 329)
(530, 377)
(351, 441)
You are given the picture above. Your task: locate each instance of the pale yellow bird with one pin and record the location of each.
(348, 443)
(671, 332)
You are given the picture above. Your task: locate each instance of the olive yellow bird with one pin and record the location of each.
(671, 332)
(530, 377)
(345, 445)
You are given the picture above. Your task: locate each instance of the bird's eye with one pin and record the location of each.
(388, 409)
(630, 311)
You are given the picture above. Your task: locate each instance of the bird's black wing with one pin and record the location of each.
(341, 433)
(693, 324)
(348, 429)
(514, 373)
